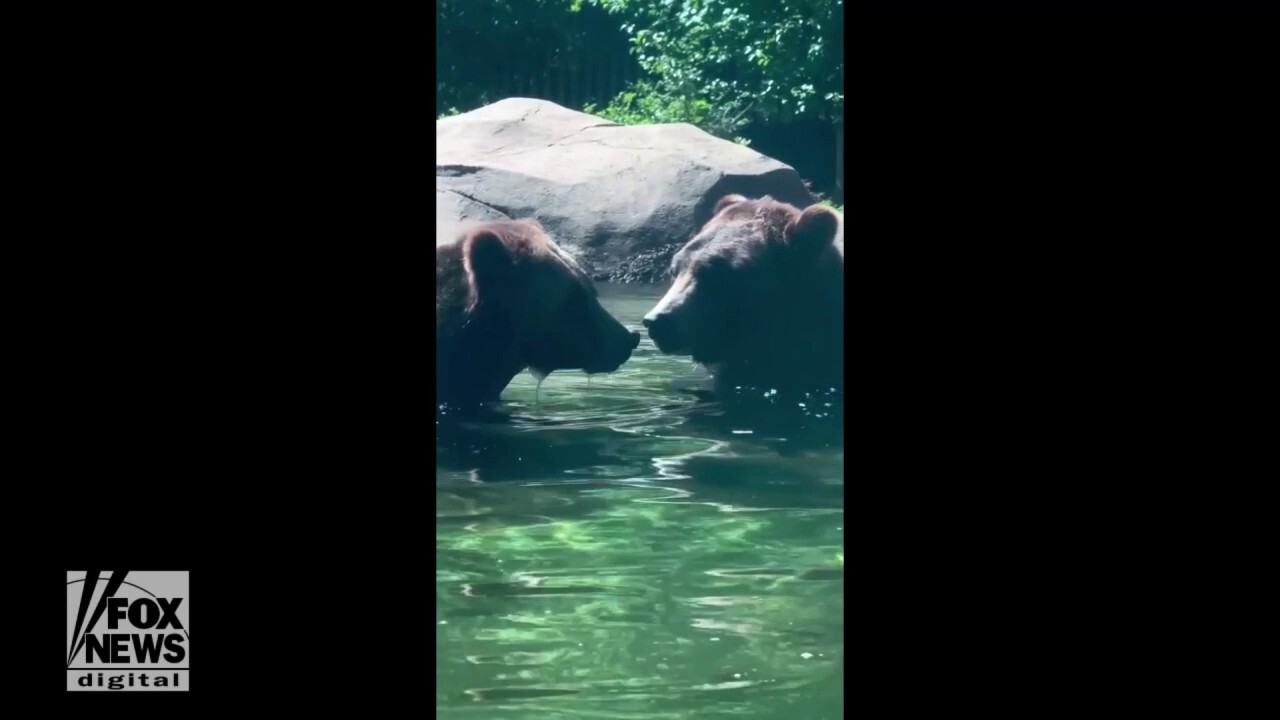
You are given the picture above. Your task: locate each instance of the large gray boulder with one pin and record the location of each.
(623, 197)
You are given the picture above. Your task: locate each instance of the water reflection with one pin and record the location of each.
(619, 547)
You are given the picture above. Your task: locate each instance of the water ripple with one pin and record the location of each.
(616, 548)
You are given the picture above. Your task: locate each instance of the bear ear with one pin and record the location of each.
(487, 262)
(726, 201)
(814, 230)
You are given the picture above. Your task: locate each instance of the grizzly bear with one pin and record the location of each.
(508, 298)
(758, 298)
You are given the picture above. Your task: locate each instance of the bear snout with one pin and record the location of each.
(619, 354)
(628, 345)
(665, 332)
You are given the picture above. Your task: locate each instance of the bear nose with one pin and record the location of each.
(659, 326)
(635, 339)
(656, 322)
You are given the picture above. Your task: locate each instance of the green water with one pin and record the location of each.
(621, 549)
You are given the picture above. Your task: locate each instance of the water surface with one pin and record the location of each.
(620, 548)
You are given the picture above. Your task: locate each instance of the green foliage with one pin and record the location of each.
(716, 64)
(648, 102)
(785, 56)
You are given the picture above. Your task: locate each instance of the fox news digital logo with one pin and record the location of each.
(128, 634)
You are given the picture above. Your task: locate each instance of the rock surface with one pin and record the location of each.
(624, 198)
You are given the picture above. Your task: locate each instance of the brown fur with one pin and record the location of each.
(758, 296)
(507, 298)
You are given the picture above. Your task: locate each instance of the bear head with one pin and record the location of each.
(757, 293)
(541, 299)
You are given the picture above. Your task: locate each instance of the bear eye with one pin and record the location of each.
(714, 267)
(677, 265)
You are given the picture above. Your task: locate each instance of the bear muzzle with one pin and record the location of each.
(666, 333)
(614, 360)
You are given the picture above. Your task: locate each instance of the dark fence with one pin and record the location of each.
(583, 60)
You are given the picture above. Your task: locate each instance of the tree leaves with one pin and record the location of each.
(750, 46)
(721, 63)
